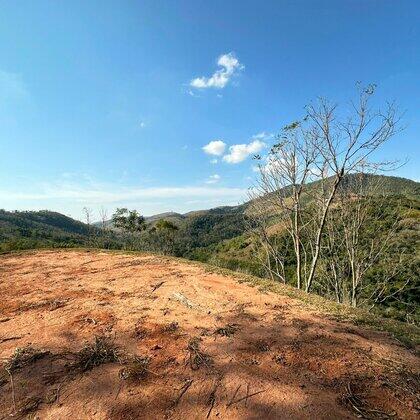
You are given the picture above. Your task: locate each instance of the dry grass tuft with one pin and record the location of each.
(227, 331)
(280, 359)
(29, 405)
(23, 356)
(136, 369)
(171, 328)
(101, 351)
(196, 357)
(262, 345)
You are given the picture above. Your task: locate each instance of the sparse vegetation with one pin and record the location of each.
(196, 357)
(221, 371)
(227, 331)
(171, 327)
(135, 369)
(101, 351)
(22, 357)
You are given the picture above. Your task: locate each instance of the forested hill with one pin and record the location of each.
(25, 229)
(197, 229)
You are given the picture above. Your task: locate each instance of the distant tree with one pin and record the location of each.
(88, 213)
(103, 214)
(130, 222)
(165, 226)
(163, 236)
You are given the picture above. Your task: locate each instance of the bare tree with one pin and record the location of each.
(323, 148)
(283, 176)
(269, 245)
(88, 213)
(345, 145)
(103, 214)
(360, 212)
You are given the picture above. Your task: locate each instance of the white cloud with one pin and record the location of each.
(213, 179)
(230, 66)
(215, 148)
(263, 136)
(214, 161)
(239, 152)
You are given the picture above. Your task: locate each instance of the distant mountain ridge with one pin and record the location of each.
(201, 227)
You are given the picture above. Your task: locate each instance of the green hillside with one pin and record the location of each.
(35, 229)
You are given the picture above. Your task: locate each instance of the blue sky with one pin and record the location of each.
(111, 103)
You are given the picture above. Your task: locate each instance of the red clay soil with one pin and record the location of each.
(207, 346)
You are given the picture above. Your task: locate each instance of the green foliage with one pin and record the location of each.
(129, 221)
(165, 225)
(46, 229)
(25, 230)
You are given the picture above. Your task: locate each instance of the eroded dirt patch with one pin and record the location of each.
(176, 341)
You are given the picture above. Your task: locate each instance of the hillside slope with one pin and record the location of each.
(182, 342)
(44, 226)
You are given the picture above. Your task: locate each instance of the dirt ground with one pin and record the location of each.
(182, 343)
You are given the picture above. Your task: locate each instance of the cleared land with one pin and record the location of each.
(112, 336)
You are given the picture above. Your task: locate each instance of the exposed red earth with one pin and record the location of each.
(182, 342)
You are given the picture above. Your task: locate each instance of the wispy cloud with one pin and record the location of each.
(213, 179)
(215, 148)
(239, 152)
(263, 136)
(89, 192)
(229, 67)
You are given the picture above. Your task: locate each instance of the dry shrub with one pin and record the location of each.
(101, 351)
(136, 369)
(262, 345)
